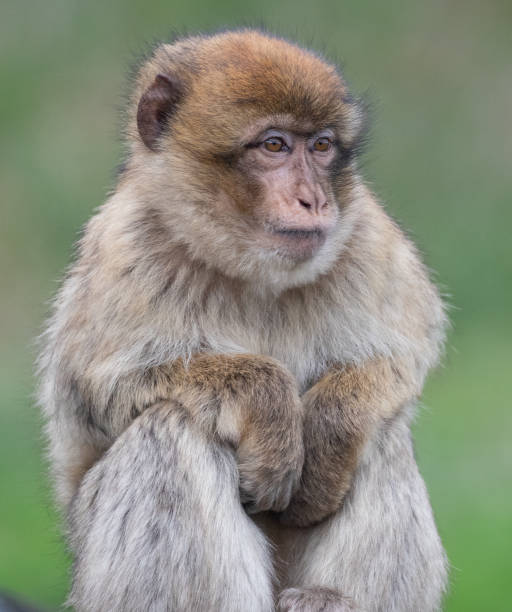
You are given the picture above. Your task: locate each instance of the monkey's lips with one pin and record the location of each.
(298, 243)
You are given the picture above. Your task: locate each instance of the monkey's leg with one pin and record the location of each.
(381, 549)
(157, 525)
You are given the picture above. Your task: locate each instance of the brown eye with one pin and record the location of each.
(274, 144)
(322, 145)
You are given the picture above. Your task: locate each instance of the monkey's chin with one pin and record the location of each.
(296, 244)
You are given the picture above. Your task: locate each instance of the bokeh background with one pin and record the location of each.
(439, 77)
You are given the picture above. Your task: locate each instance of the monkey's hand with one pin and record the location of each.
(342, 411)
(250, 402)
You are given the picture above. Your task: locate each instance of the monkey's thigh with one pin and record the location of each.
(382, 548)
(157, 525)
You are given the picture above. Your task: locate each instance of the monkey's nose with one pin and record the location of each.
(314, 205)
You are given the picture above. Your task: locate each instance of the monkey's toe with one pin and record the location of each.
(314, 599)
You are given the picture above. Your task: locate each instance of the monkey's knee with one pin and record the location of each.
(148, 525)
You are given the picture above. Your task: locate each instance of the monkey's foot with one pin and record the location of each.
(318, 599)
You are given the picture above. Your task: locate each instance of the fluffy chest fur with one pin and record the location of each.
(307, 329)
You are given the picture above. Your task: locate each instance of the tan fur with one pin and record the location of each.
(342, 411)
(174, 303)
(240, 398)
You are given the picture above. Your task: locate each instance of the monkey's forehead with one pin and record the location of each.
(250, 72)
(263, 75)
(234, 79)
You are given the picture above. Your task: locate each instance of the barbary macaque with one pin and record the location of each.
(234, 358)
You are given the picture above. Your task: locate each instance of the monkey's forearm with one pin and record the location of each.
(341, 412)
(224, 393)
(249, 402)
(245, 391)
(207, 379)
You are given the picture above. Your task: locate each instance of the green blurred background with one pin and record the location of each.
(439, 75)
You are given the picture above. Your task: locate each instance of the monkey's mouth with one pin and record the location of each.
(299, 243)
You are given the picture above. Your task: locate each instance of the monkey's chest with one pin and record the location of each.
(305, 354)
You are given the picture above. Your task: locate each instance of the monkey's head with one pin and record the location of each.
(245, 144)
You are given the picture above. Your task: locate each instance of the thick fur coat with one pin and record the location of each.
(186, 371)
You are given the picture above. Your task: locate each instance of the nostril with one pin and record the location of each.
(324, 205)
(305, 204)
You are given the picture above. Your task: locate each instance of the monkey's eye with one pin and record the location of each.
(322, 144)
(275, 144)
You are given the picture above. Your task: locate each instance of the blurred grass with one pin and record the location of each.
(439, 78)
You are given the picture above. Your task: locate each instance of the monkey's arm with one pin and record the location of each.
(256, 407)
(342, 411)
(247, 402)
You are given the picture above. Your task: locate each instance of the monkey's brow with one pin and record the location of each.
(296, 131)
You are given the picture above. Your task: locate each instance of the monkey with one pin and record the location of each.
(233, 361)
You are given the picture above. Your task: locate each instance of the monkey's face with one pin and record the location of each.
(254, 140)
(289, 193)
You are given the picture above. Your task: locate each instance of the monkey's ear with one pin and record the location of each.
(156, 105)
(357, 117)
(356, 127)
